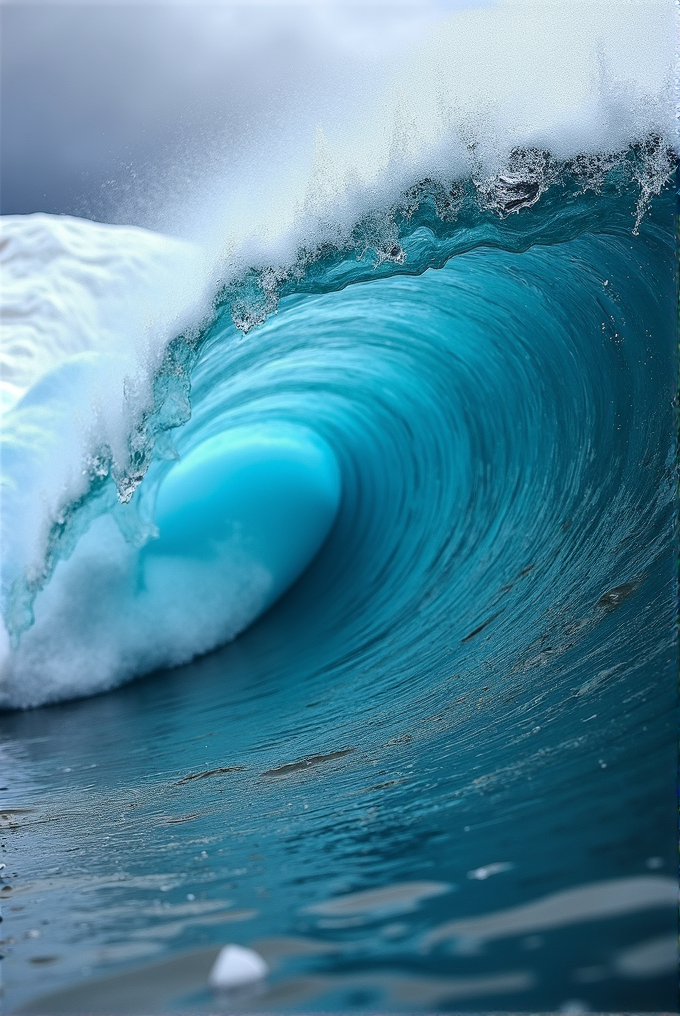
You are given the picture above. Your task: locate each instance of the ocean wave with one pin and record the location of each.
(480, 363)
(366, 445)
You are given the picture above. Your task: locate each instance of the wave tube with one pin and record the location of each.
(459, 406)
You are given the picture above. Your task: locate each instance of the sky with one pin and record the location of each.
(157, 113)
(102, 101)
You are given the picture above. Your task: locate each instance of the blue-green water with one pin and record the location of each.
(466, 704)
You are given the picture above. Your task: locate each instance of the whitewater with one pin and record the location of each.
(365, 450)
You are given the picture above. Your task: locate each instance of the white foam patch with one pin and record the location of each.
(87, 312)
(96, 628)
(574, 77)
(235, 967)
(71, 286)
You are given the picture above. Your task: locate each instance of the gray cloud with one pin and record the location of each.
(104, 105)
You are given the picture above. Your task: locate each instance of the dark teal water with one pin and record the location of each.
(467, 702)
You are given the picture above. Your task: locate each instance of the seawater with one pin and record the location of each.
(438, 772)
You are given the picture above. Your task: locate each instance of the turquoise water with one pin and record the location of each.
(266, 495)
(465, 705)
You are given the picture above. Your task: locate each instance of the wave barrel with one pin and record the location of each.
(267, 494)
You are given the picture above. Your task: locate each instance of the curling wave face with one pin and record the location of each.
(465, 280)
(475, 404)
(438, 770)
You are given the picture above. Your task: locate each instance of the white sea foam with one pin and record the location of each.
(70, 286)
(88, 309)
(87, 312)
(94, 629)
(572, 77)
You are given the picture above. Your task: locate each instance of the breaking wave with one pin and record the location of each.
(482, 372)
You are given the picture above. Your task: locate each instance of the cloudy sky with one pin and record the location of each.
(120, 111)
(101, 103)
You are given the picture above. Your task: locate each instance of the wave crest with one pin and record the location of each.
(143, 403)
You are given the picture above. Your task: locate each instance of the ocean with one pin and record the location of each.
(339, 566)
